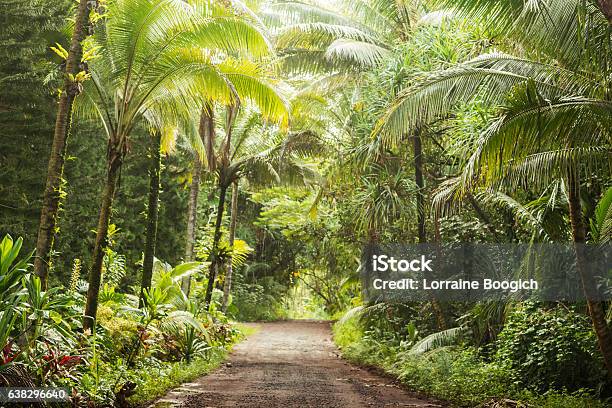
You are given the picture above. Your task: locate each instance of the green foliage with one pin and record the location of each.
(550, 348)
(458, 375)
(155, 382)
(601, 224)
(258, 301)
(348, 330)
(238, 253)
(435, 340)
(11, 269)
(505, 95)
(43, 344)
(455, 375)
(119, 329)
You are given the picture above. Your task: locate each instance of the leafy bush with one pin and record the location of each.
(458, 375)
(348, 329)
(550, 348)
(168, 340)
(455, 375)
(118, 329)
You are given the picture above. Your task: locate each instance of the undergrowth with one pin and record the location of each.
(454, 374)
(154, 383)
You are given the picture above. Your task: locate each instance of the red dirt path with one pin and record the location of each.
(292, 364)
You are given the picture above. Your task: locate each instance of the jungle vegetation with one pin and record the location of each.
(169, 167)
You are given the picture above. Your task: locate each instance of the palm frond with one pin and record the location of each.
(568, 31)
(601, 224)
(435, 340)
(361, 53)
(535, 138)
(249, 81)
(435, 96)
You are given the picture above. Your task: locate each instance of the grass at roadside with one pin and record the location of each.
(246, 330)
(156, 382)
(452, 374)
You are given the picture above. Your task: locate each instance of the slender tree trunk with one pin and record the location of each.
(227, 285)
(372, 248)
(482, 215)
(215, 246)
(206, 130)
(55, 169)
(437, 307)
(152, 216)
(596, 309)
(606, 8)
(418, 179)
(417, 148)
(115, 159)
(192, 218)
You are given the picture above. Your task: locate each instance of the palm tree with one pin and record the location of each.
(262, 155)
(249, 81)
(554, 120)
(206, 127)
(156, 59)
(70, 90)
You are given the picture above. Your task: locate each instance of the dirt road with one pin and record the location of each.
(292, 364)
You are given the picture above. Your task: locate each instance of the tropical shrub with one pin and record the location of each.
(42, 343)
(456, 374)
(547, 348)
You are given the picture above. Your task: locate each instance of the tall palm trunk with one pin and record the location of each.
(152, 216)
(115, 159)
(418, 179)
(596, 309)
(482, 215)
(437, 307)
(227, 285)
(55, 169)
(417, 150)
(192, 217)
(212, 274)
(206, 131)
